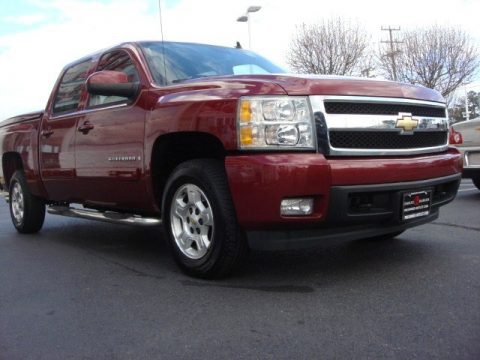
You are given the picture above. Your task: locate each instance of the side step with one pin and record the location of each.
(107, 216)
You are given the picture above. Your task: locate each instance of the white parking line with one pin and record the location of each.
(467, 189)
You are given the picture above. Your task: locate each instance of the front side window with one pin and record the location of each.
(70, 89)
(115, 61)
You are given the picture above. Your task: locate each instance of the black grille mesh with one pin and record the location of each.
(334, 107)
(386, 140)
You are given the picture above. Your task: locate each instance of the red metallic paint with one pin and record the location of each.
(76, 168)
(19, 136)
(57, 156)
(258, 183)
(108, 77)
(339, 86)
(359, 171)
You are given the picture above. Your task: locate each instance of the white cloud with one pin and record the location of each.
(31, 19)
(31, 60)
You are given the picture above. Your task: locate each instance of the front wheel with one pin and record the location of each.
(26, 210)
(200, 220)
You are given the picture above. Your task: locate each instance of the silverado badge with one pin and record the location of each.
(406, 122)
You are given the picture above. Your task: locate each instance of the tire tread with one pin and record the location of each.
(234, 248)
(34, 207)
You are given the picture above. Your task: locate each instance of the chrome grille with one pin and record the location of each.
(363, 126)
(386, 140)
(342, 107)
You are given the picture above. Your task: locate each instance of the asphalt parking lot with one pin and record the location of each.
(90, 290)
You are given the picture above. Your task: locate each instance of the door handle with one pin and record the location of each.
(86, 127)
(47, 132)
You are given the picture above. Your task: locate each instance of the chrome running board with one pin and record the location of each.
(107, 216)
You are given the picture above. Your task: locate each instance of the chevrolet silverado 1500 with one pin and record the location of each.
(228, 152)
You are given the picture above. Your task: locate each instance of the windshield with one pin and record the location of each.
(172, 63)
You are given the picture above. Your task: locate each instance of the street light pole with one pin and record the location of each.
(246, 18)
(467, 115)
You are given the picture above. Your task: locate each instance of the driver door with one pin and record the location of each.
(109, 144)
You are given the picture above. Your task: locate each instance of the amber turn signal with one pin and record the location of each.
(245, 111)
(246, 135)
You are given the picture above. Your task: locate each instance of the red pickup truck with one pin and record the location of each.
(228, 152)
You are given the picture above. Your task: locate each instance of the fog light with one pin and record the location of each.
(296, 207)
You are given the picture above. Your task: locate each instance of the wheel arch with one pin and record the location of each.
(172, 149)
(11, 162)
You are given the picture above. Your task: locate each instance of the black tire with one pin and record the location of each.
(384, 237)
(27, 211)
(202, 250)
(476, 182)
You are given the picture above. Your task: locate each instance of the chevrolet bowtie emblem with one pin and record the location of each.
(406, 122)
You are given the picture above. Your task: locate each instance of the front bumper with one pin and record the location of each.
(259, 182)
(345, 221)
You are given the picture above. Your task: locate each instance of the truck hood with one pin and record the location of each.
(336, 85)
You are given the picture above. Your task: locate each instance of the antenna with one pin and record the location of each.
(163, 42)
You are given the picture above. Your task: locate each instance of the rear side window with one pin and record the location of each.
(115, 61)
(70, 89)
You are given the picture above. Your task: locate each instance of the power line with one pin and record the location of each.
(393, 52)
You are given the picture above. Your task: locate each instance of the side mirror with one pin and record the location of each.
(111, 83)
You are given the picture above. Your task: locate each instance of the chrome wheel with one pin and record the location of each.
(18, 203)
(191, 221)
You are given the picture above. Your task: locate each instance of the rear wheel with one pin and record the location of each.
(26, 210)
(200, 220)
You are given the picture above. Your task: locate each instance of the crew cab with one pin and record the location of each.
(228, 152)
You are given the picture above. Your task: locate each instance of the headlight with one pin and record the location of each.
(282, 122)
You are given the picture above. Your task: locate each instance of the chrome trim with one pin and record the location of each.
(466, 155)
(108, 107)
(124, 158)
(381, 122)
(385, 152)
(364, 122)
(87, 111)
(370, 99)
(107, 216)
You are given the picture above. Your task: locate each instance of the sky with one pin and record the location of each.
(39, 37)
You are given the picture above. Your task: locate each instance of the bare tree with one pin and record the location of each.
(437, 57)
(332, 47)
